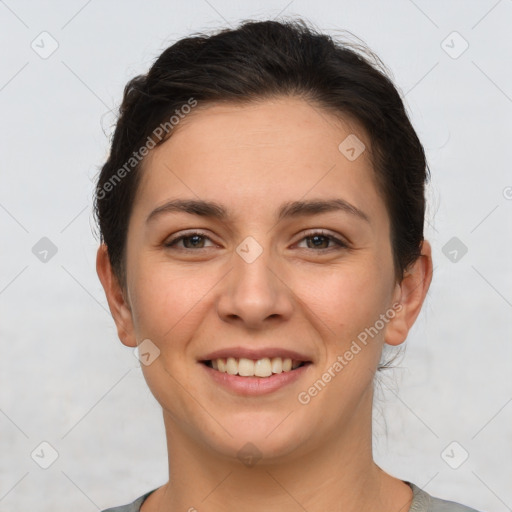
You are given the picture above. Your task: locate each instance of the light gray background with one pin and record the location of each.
(65, 377)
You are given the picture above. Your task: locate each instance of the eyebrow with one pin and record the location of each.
(288, 210)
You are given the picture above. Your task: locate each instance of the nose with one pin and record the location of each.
(255, 293)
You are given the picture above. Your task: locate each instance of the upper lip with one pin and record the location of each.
(250, 353)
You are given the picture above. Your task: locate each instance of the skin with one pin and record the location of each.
(251, 158)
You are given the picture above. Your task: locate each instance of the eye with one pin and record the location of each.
(319, 239)
(192, 241)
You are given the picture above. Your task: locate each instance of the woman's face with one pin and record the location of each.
(261, 280)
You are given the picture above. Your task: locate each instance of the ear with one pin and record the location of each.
(119, 307)
(410, 293)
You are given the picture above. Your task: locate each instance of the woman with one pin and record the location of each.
(261, 214)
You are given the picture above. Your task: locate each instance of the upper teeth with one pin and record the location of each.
(259, 368)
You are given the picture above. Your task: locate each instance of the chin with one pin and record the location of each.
(259, 437)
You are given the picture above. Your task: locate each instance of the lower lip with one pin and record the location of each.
(254, 386)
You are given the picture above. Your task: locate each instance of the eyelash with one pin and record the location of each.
(341, 245)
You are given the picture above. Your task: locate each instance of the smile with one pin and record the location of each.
(244, 367)
(254, 377)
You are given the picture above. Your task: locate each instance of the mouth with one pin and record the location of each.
(255, 372)
(263, 368)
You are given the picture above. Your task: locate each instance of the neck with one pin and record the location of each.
(327, 474)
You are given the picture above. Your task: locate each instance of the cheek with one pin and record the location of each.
(170, 302)
(348, 302)
(347, 298)
(167, 299)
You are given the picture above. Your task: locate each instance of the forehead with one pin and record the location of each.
(277, 125)
(265, 151)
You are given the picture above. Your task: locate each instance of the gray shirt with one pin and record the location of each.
(422, 502)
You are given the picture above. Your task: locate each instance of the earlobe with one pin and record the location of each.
(410, 293)
(120, 309)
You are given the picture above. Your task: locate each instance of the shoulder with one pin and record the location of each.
(424, 502)
(134, 506)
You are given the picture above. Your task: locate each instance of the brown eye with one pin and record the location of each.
(320, 241)
(190, 241)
